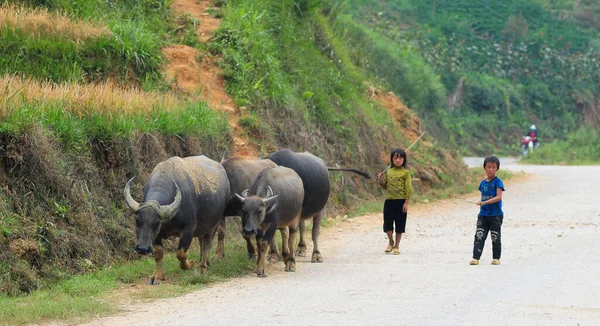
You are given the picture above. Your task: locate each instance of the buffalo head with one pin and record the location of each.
(149, 217)
(254, 210)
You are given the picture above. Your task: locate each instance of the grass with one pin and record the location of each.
(78, 113)
(98, 294)
(82, 99)
(581, 147)
(76, 44)
(41, 23)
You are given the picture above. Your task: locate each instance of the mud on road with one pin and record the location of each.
(548, 276)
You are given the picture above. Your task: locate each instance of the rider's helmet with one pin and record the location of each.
(532, 127)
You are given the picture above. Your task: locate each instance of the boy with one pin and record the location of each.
(490, 214)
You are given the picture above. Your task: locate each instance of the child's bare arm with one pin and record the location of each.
(492, 200)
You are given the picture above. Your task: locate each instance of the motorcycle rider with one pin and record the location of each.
(533, 135)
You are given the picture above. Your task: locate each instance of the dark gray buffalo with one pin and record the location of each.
(241, 172)
(274, 201)
(184, 197)
(315, 178)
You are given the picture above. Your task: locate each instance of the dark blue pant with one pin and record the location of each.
(487, 224)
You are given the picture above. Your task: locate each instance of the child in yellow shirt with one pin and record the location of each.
(397, 183)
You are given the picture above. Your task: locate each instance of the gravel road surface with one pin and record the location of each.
(548, 276)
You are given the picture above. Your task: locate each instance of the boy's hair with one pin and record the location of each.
(491, 159)
(400, 152)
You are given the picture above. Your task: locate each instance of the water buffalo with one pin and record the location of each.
(274, 201)
(241, 172)
(184, 197)
(315, 178)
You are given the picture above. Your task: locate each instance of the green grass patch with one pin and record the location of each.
(92, 295)
(75, 131)
(580, 148)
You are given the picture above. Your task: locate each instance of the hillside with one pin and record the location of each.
(486, 70)
(96, 92)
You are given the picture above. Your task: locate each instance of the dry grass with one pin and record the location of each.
(80, 99)
(41, 22)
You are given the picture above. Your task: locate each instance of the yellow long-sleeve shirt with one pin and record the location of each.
(397, 183)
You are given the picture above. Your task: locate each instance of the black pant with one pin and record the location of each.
(487, 224)
(394, 215)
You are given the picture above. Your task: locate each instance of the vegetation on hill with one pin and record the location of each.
(480, 72)
(84, 106)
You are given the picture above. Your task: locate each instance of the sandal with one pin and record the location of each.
(388, 248)
(396, 251)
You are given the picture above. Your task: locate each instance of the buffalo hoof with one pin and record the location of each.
(316, 257)
(186, 265)
(202, 270)
(261, 273)
(301, 251)
(290, 267)
(273, 258)
(218, 256)
(153, 280)
(252, 257)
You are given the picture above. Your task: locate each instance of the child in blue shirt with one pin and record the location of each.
(490, 214)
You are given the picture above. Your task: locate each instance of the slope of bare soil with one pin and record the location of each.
(197, 74)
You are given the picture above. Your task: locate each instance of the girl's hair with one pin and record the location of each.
(400, 152)
(491, 159)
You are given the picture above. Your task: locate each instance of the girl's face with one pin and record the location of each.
(398, 160)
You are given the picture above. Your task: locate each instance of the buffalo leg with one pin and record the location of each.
(301, 251)
(263, 249)
(285, 248)
(220, 252)
(206, 244)
(290, 260)
(264, 243)
(316, 228)
(252, 251)
(184, 244)
(274, 251)
(158, 272)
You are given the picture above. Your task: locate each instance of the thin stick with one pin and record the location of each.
(411, 145)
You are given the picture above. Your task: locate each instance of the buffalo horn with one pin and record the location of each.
(245, 193)
(240, 197)
(134, 205)
(269, 199)
(166, 211)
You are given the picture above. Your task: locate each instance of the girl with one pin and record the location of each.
(397, 183)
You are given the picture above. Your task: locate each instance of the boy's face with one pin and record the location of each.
(490, 169)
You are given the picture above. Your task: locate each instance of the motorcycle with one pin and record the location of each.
(528, 144)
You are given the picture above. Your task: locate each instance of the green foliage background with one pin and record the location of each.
(517, 63)
(301, 69)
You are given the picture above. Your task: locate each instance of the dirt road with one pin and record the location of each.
(548, 276)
